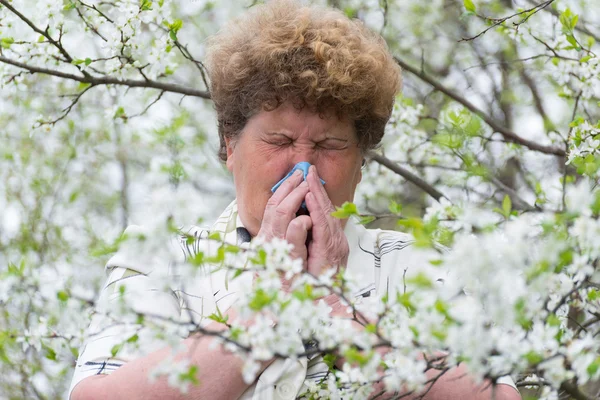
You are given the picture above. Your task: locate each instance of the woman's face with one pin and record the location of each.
(272, 142)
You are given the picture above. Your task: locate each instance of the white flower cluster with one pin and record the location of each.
(584, 141)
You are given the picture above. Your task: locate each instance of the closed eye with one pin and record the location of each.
(333, 144)
(279, 140)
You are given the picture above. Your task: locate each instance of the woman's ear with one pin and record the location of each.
(229, 144)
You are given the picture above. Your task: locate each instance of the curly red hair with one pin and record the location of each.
(311, 56)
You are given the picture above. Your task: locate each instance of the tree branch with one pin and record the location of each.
(499, 21)
(507, 134)
(45, 33)
(406, 174)
(574, 391)
(96, 81)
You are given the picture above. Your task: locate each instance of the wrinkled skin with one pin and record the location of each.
(271, 143)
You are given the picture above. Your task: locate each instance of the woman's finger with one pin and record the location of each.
(318, 217)
(279, 217)
(296, 235)
(285, 188)
(317, 188)
(282, 206)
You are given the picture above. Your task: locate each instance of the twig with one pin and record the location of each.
(93, 7)
(513, 194)
(566, 167)
(507, 134)
(45, 33)
(66, 110)
(95, 81)
(89, 25)
(499, 21)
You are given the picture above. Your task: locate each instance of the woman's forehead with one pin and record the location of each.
(289, 120)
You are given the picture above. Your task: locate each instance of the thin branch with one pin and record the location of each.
(513, 194)
(93, 7)
(579, 27)
(95, 81)
(45, 33)
(499, 21)
(406, 174)
(507, 134)
(66, 110)
(89, 25)
(145, 110)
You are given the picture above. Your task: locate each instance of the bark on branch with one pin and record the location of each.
(406, 174)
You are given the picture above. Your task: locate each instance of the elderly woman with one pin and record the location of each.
(290, 84)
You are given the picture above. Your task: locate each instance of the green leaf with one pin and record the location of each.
(88, 61)
(173, 35)
(133, 339)
(395, 208)
(354, 356)
(115, 349)
(50, 353)
(565, 19)
(450, 140)
(574, 21)
(176, 25)
(6, 42)
(346, 210)
(197, 259)
(469, 6)
(553, 320)
(506, 206)
(62, 295)
(571, 39)
(218, 317)
(215, 236)
(533, 357)
(585, 59)
(366, 219)
(261, 299)
(77, 61)
(420, 280)
(329, 360)
(146, 5)
(120, 113)
(190, 375)
(593, 368)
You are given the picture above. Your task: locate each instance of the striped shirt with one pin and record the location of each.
(376, 258)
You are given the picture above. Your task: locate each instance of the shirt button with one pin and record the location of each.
(286, 390)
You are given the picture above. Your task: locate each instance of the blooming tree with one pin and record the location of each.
(491, 161)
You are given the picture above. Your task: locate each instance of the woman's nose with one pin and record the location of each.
(305, 153)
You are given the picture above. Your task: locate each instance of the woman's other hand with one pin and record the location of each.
(329, 246)
(280, 220)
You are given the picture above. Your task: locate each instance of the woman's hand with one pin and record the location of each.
(280, 220)
(329, 246)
